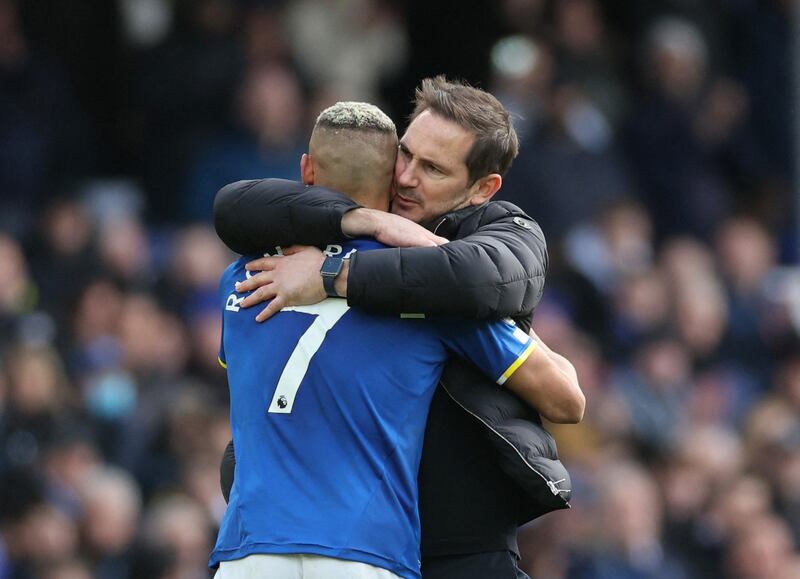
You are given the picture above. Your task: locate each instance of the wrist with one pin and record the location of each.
(334, 276)
(359, 222)
(340, 283)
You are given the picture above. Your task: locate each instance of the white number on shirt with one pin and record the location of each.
(327, 313)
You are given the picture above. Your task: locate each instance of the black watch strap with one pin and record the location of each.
(331, 268)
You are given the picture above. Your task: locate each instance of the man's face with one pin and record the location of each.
(431, 176)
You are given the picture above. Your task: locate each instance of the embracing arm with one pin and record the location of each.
(496, 267)
(547, 382)
(251, 216)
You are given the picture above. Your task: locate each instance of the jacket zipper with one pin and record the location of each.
(435, 229)
(550, 484)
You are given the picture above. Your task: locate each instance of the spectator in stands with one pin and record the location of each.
(272, 137)
(112, 506)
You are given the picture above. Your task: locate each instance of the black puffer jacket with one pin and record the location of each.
(494, 266)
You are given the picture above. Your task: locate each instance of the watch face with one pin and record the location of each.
(331, 266)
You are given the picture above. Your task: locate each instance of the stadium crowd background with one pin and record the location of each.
(656, 156)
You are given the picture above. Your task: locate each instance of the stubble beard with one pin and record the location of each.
(457, 201)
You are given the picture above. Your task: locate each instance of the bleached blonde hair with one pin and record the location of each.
(355, 116)
(354, 145)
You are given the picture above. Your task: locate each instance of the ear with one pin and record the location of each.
(307, 169)
(485, 188)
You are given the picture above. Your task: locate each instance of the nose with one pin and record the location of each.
(405, 176)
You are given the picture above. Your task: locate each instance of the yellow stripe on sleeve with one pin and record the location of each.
(221, 363)
(517, 363)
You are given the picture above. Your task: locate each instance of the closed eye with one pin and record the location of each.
(434, 169)
(427, 165)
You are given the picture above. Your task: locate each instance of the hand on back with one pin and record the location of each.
(292, 279)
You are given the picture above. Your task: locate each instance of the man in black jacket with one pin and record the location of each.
(488, 466)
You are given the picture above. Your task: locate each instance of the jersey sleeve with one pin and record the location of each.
(221, 355)
(225, 285)
(496, 348)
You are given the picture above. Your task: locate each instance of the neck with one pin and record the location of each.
(379, 201)
(371, 199)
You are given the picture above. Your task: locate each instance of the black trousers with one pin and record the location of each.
(492, 565)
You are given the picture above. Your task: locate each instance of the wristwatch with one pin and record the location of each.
(331, 268)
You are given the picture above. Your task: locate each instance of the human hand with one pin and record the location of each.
(292, 279)
(388, 228)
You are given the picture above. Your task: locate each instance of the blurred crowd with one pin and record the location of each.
(656, 154)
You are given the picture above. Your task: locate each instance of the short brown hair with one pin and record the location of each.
(480, 113)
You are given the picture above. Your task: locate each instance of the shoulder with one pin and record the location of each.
(498, 211)
(233, 273)
(501, 217)
(237, 266)
(235, 269)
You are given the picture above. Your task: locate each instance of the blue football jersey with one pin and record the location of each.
(328, 412)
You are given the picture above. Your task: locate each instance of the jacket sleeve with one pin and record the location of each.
(251, 216)
(498, 269)
(227, 467)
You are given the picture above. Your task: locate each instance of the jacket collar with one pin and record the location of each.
(447, 225)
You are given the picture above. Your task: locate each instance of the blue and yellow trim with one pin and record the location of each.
(517, 363)
(221, 363)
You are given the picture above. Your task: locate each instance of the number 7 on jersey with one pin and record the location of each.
(327, 313)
